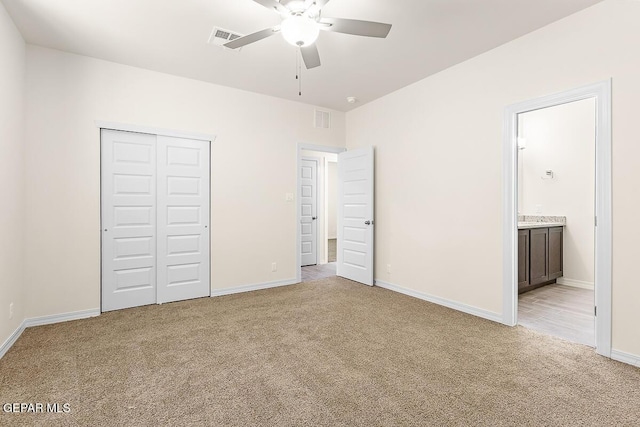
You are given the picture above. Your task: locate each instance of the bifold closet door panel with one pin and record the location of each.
(183, 219)
(128, 180)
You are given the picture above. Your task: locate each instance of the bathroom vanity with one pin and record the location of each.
(540, 244)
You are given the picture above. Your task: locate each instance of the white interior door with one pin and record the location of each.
(355, 215)
(128, 219)
(308, 212)
(183, 219)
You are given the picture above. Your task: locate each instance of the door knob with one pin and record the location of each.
(314, 217)
(367, 223)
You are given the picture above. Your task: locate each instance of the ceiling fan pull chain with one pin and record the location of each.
(300, 73)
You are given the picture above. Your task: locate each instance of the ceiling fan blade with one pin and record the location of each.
(251, 38)
(273, 4)
(355, 27)
(310, 56)
(320, 3)
(314, 5)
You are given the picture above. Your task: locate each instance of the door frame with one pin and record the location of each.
(299, 148)
(128, 127)
(601, 92)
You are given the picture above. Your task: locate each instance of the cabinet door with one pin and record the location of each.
(538, 255)
(523, 258)
(555, 252)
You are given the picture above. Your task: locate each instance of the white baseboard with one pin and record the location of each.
(45, 320)
(485, 314)
(254, 287)
(623, 357)
(574, 283)
(58, 318)
(11, 340)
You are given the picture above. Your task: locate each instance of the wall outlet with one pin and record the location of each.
(539, 209)
(11, 311)
(388, 268)
(288, 197)
(274, 267)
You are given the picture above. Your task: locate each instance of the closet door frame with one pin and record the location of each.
(127, 127)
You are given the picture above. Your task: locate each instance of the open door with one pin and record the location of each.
(355, 215)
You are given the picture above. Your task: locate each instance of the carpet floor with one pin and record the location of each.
(324, 353)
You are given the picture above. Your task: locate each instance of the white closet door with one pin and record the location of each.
(183, 219)
(308, 212)
(128, 219)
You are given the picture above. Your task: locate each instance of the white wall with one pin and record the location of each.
(439, 159)
(253, 166)
(12, 52)
(562, 139)
(332, 200)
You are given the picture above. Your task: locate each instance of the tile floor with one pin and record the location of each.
(561, 311)
(332, 244)
(320, 271)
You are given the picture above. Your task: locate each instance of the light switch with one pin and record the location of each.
(288, 197)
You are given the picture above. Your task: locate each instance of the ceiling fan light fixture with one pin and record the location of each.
(300, 30)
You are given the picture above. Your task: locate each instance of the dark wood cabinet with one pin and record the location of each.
(539, 257)
(555, 252)
(523, 258)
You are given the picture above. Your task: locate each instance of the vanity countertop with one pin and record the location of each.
(540, 221)
(523, 225)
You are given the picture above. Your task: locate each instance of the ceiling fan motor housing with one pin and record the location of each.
(300, 30)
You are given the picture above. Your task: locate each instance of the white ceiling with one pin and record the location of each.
(171, 36)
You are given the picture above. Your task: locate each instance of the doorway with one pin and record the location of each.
(318, 200)
(556, 211)
(601, 94)
(355, 212)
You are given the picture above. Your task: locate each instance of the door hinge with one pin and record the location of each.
(596, 221)
(595, 310)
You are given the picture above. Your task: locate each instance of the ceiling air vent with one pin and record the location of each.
(322, 119)
(221, 36)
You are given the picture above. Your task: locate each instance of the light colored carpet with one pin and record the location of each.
(325, 353)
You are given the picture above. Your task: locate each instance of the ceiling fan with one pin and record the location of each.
(302, 21)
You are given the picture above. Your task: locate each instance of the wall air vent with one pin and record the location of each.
(221, 36)
(322, 119)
